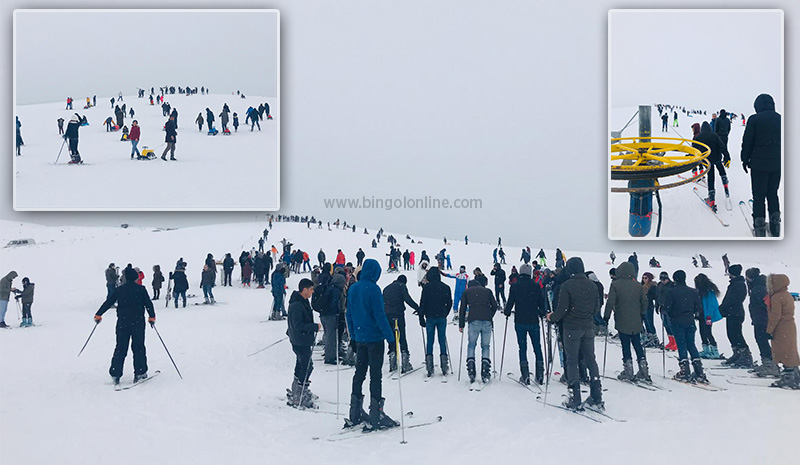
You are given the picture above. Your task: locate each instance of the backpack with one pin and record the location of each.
(318, 302)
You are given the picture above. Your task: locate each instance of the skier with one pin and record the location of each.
(718, 159)
(759, 315)
(462, 278)
(170, 138)
(761, 153)
(782, 331)
(278, 291)
(541, 257)
(482, 306)
(174, 113)
(395, 297)
(199, 121)
(722, 127)
(207, 280)
(675, 120)
(682, 303)
(628, 301)
(134, 138)
(368, 327)
(502, 256)
(732, 308)
(499, 283)
(708, 293)
(158, 278)
(26, 296)
(663, 288)
(6, 289)
(72, 136)
(577, 303)
(181, 284)
(434, 306)
(302, 335)
(132, 301)
(527, 296)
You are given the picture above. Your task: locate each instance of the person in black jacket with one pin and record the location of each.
(478, 306)
(209, 119)
(499, 283)
(682, 304)
(718, 158)
(732, 308)
(526, 295)
(181, 284)
(171, 138)
(132, 301)
(761, 153)
(723, 127)
(302, 334)
(395, 298)
(577, 303)
(227, 269)
(329, 309)
(71, 135)
(158, 279)
(174, 114)
(757, 290)
(359, 256)
(434, 306)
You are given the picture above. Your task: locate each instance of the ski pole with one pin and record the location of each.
(503, 351)
(550, 361)
(165, 348)
(19, 311)
(663, 350)
(424, 344)
(308, 369)
(338, 364)
(87, 339)
(544, 342)
(605, 351)
(59, 151)
(265, 348)
(399, 385)
(461, 355)
(494, 352)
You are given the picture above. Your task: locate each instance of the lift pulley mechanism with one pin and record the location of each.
(650, 158)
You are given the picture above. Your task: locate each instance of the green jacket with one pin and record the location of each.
(626, 298)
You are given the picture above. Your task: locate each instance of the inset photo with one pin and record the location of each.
(695, 99)
(147, 110)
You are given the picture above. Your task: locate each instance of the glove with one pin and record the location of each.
(422, 321)
(98, 319)
(726, 162)
(152, 321)
(744, 165)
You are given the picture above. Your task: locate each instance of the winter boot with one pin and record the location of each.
(486, 370)
(539, 372)
(377, 418)
(444, 361)
(139, 377)
(627, 371)
(730, 361)
(392, 361)
(357, 413)
(293, 394)
(644, 372)
(705, 352)
(714, 352)
(699, 375)
(471, 369)
(205, 300)
(671, 345)
(213, 301)
(306, 398)
(573, 401)
(685, 374)
(745, 360)
(405, 367)
(429, 365)
(525, 374)
(115, 380)
(768, 369)
(775, 224)
(595, 399)
(759, 227)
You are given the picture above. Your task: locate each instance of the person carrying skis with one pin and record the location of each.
(526, 295)
(708, 293)
(481, 306)
(732, 308)
(302, 334)
(499, 283)
(132, 302)
(368, 327)
(759, 316)
(577, 303)
(682, 304)
(26, 296)
(434, 306)
(628, 302)
(761, 153)
(782, 331)
(395, 297)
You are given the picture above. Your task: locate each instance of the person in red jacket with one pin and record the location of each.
(134, 138)
(340, 260)
(141, 276)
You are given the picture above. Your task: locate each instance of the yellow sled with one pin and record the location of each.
(147, 153)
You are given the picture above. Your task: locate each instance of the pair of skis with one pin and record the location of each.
(728, 206)
(586, 411)
(120, 387)
(354, 432)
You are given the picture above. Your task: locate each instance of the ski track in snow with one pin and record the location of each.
(205, 176)
(57, 408)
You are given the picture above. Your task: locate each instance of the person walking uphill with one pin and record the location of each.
(628, 302)
(302, 334)
(171, 139)
(761, 153)
(434, 306)
(395, 297)
(5, 295)
(577, 303)
(782, 330)
(526, 295)
(368, 327)
(132, 301)
(482, 306)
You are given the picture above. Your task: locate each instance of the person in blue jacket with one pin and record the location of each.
(368, 327)
(462, 278)
(278, 292)
(709, 293)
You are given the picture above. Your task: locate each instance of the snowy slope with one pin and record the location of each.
(206, 176)
(683, 214)
(57, 408)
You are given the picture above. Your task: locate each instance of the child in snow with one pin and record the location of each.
(26, 296)
(235, 122)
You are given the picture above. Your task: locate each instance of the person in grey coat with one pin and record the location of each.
(5, 294)
(628, 302)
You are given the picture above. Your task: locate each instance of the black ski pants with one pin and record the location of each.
(763, 342)
(706, 336)
(631, 339)
(303, 366)
(129, 333)
(579, 342)
(401, 324)
(226, 280)
(369, 355)
(733, 325)
(26, 311)
(711, 179)
(764, 185)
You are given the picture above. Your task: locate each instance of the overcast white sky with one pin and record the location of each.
(83, 53)
(700, 59)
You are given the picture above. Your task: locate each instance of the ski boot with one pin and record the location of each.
(115, 380)
(627, 371)
(768, 369)
(699, 375)
(671, 345)
(377, 418)
(714, 352)
(595, 399)
(573, 401)
(444, 361)
(471, 369)
(429, 365)
(730, 361)
(405, 366)
(392, 361)
(357, 413)
(685, 374)
(139, 377)
(759, 227)
(306, 398)
(790, 378)
(745, 359)
(644, 372)
(704, 353)
(213, 301)
(775, 224)
(293, 393)
(711, 204)
(539, 372)
(206, 301)
(525, 374)
(486, 370)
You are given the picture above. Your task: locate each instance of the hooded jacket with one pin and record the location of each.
(132, 301)
(528, 299)
(719, 150)
(723, 125)
(758, 302)
(761, 142)
(781, 322)
(395, 297)
(300, 320)
(577, 299)
(278, 281)
(26, 295)
(733, 303)
(366, 318)
(480, 301)
(436, 299)
(626, 298)
(111, 276)
(180, 280)
(5, 285)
